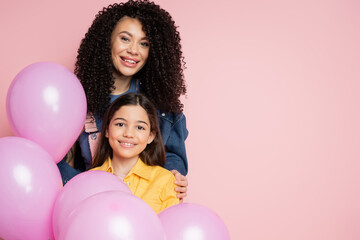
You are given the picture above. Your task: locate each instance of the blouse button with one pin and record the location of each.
(163, 114)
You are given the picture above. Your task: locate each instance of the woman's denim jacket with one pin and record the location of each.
(174, 133)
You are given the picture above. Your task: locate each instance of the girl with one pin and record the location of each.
(132, 47)
(131, 148)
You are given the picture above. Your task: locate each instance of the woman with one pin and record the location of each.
(133, 47)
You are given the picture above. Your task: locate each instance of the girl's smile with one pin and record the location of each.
(127, 144)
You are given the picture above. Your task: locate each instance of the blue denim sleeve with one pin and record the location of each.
(67, 172)
(174, 133)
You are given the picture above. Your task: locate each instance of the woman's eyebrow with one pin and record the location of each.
(126, 32)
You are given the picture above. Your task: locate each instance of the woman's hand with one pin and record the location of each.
(182, 183)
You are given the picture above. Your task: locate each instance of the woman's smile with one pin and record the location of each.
(129, 47)
(129, 62)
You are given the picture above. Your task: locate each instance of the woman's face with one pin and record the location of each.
(129, 47)
(129, 132)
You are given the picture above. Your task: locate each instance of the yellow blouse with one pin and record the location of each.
(153, 184)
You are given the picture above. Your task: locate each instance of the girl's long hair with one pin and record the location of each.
(154, 153)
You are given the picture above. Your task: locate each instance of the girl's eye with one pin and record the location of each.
(140, 128)
(119, 124)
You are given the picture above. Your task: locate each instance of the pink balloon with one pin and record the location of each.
(113, 215)
(80, 188)
(46, 104)
(30, 183)
(189, 221)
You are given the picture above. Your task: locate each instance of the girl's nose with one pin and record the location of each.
(128, 133)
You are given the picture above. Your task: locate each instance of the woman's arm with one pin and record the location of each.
(174, 133)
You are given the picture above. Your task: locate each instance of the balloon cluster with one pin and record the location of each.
(46, 108)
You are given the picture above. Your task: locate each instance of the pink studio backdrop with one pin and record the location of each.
(272, 106)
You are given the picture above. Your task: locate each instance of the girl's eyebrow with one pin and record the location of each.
(143, 122)
(123, 119)
(139, 121)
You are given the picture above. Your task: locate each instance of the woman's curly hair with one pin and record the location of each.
(162, 78)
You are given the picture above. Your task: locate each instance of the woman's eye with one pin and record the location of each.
(145, 44)
(120, 124)
(125, 39)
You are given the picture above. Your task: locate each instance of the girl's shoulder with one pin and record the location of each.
(162, 174)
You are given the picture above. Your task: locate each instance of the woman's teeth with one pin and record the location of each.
(129, 61)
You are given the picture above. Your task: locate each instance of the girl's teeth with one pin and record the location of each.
(127, 144)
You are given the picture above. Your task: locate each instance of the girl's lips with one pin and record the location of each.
(127, 144)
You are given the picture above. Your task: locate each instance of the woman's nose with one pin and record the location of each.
(132, 48)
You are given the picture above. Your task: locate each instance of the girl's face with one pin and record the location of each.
(129, 132)
(129, 47)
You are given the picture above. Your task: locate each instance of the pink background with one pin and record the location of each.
(272, 106)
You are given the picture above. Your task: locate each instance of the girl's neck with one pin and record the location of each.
(121, 167)
(121, 84)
